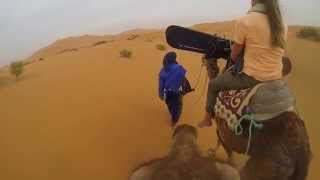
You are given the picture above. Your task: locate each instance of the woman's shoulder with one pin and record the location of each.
(252, 16)
(252, 19)
(242, 20)
(248, 16)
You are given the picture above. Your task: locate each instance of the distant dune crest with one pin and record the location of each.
(86, 41)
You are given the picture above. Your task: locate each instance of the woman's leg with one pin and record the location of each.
(225, 81)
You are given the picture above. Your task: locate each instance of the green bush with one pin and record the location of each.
(27, 63)
(161, 47)
(16, 68)
(310, 33)
(125, 53)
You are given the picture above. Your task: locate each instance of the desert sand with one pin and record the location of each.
(83, 112)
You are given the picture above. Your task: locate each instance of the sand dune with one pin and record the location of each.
(89, 114)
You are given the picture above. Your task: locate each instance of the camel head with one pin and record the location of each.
(184, 162)
(184, 145)
(183, 131)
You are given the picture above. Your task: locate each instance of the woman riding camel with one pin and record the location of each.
(262, 34)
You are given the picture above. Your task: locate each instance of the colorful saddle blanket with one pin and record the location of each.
(264, 101)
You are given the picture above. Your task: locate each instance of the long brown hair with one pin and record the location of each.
(275, 21)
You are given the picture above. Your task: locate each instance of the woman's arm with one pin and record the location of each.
(236, 49)
(240, 34)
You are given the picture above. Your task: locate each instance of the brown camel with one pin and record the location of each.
(184, 162)
(278, 151)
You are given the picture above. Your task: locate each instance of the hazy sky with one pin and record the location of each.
(27, 25)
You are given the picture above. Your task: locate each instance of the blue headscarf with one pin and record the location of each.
(169, 58)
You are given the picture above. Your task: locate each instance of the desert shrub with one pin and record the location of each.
(27, 63)
(125, 53)
(68, 50)
(41, 59)
(99, 43)
(310, 33)
(16, 68)
(161, 47)
(132, 37)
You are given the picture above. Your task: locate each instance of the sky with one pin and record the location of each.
(28, 25)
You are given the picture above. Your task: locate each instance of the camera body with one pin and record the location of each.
(219, 48)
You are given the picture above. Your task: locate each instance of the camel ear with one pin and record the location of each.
(184, 128)
(287, 66)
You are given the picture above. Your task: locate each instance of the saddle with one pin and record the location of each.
(264, 101)
(263, 104)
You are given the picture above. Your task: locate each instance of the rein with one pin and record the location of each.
(253, 124)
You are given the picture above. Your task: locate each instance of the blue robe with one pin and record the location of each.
(170, 89)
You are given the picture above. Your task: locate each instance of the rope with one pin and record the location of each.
(198, 83)
(253, 123)
(203, 90)
(199, 76)
(211, 153)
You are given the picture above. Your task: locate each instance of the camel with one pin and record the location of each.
(279, 150)
(185, 162)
